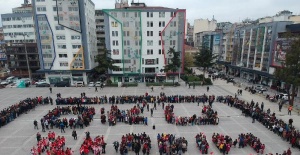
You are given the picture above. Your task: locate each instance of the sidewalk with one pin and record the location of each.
(231, 89)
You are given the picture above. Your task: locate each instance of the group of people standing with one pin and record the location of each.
(134, 142)
(97, 145)
(169, 144)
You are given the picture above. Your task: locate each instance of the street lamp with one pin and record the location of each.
(27, 61)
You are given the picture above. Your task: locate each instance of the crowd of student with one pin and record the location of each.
(209, 116)
(51, 145)
(134, 142)
(52, 119)
(255, 110)
(169, 144)
(12, 112)
(251, 140)
(202, 143)
(223, 142)
(97, 145)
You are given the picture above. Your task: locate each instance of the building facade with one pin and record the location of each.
(254, 51)
(202, 25)
(100, 31)
(139, 38)
(66, 38)
(19, 35)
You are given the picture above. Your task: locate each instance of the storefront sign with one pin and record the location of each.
(160, 74)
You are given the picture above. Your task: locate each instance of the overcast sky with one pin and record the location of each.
(222, 10)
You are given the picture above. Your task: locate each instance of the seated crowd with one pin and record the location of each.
(135, 142)
(222, 142)
(202, 143)
(96, 146)
(51, 145)
(168, 144)
(249, 139)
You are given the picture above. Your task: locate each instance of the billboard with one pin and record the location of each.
(279, 52)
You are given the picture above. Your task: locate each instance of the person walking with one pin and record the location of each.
(151, 112)
(74, 134)
(151, 88)
(50, 89)
(280, 106)
(96, 89)
(116, 145)
(62, 127)
(207, 88)
(262, 106)
(290, 110)
(35, 123)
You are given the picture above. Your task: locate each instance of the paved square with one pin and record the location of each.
(18, 137)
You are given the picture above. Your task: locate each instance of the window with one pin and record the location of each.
(63, 55)
(125, 24)
(126, 33)
(172, 42)
(150, 62)
(149, 33)
(40, 9)
(73, 8)
(115, 43)
(47, 55)
(159, 51)
(150, 24)
(126, 42)
(150, 52)
(64, 64)
(76, 46)
(116, 52)
(137, 43)
(73, 18)
(45, 38)
(61, 37)
(117, 61)
(149, 14)
(114, 33)
(127, 61)
(46, 47)
(54, 8)
(149, 42)
(172, 14)
(161, 14)
(159, 42)
(61, 46)
(161, 24)
(115, 14)
(59, 27)
(114, 24)
(173, 24)
(125, 14)
(75, 37)
(137, 24)
(136, 14)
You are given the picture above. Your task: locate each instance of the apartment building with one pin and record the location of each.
(19, 35)
(139, 38)
(100, 31)
(66, 37)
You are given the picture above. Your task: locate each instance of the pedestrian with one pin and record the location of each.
(280, 106)
(43, 127)
(38, 136)
(241, 92)
(74, 134)
(253, 117)
(50, 88)
(116, 145)
(103, 147)
(35, 123)
(162, 87)
(189, 85)
(290, 110)
(62, 127)
(262, 106)
(151, 112)
(101, 86)
(96, 89)
(207, 88)
(151, 88)
(146, 121)
(163, 105)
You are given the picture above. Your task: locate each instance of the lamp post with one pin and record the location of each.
(27, 61)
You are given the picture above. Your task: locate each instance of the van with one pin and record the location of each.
(79, 84)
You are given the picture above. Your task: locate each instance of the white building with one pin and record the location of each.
(66, 38)
(203, 25)
(139, 38)
(18, 23)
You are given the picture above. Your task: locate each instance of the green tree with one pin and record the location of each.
(204, 58)
(290, 69)
(104, 62)
(188, 63)
(174, 63)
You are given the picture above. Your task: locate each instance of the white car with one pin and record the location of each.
(98, 84)
(260, 88)
(91, 84)
(79, 84)
(13, 85)
(284, 97)
(40, 81)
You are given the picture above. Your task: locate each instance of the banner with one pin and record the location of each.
(279, 52)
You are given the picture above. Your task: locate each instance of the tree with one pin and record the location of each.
(174, 62)
(290, 68)
(104, 62)
(188, 63)
(204, 58)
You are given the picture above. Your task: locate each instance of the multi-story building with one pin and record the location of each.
(202, 25)
(2, 50)
(139, 38)
(100, 31)
(66, 37)
(189, 34)
(254, 46)
(18, 30)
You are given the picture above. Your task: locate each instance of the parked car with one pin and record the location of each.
(62, 84)
(40, 81)
(13, 85)
(230, 80)
(79, 84)
(260, 88)
(43, 85)
(98, 84)
(91, 84)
